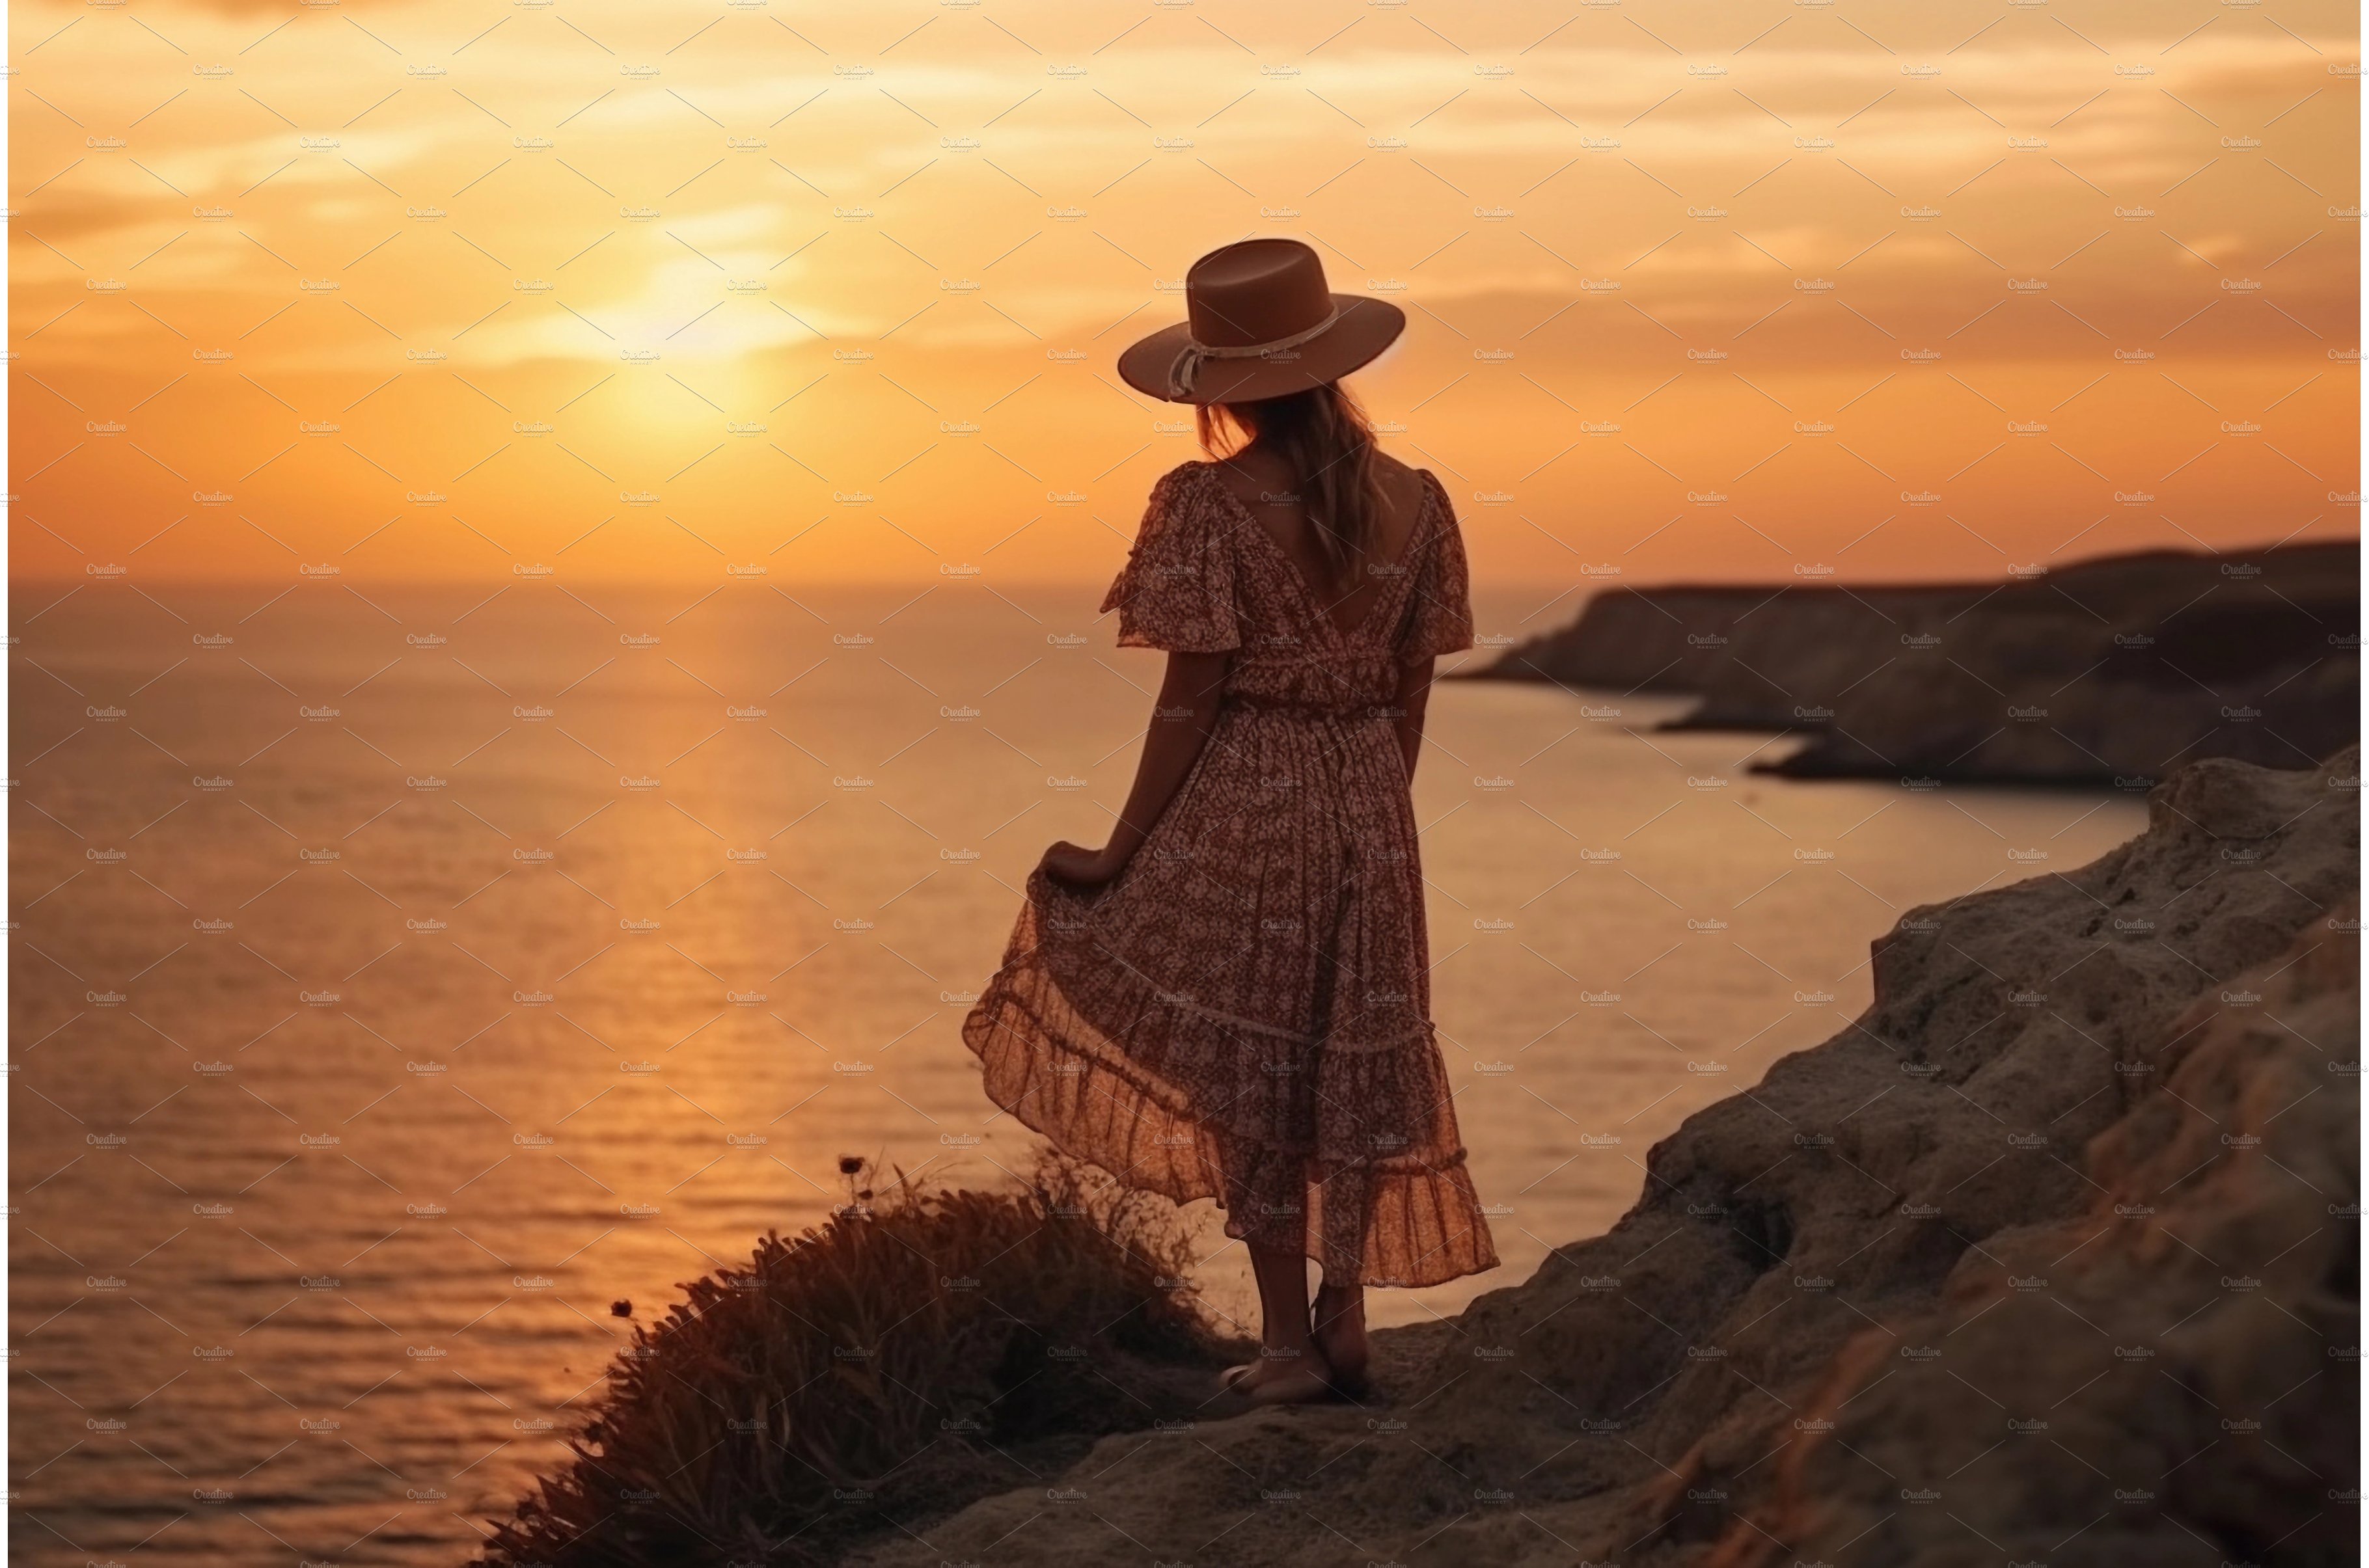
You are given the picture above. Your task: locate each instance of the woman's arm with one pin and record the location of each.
(1181, 718)
(1414, 695)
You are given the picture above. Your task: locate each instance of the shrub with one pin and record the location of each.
(878, 1367)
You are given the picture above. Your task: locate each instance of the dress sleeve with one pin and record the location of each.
(1176, 591)
(1439, 619)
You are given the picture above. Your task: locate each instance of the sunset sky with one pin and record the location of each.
(466, 292)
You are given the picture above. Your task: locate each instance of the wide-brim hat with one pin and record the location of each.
(1260, 324)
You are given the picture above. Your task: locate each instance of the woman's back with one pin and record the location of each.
(1264, 485)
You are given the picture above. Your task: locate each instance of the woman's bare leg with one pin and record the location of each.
(1282, 1274)
(1290, 1366)
(1339, 1333)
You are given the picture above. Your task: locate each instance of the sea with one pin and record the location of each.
(412, 987)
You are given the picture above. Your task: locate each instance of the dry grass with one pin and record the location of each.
(886, 1368)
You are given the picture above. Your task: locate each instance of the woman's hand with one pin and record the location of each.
(1085, 868)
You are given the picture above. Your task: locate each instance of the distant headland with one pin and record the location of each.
(2110, 671)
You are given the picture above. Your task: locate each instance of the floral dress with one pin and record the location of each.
(1245, 1012)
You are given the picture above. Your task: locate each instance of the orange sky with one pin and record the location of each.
(450, 292)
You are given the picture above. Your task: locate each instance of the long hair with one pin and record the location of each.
(1324, 440)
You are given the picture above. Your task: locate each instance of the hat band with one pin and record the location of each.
(1186, 371)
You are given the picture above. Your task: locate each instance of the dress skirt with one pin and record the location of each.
(1244, 1013)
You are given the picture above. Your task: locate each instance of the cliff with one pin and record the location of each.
(2113, 670)
(2051, 1253)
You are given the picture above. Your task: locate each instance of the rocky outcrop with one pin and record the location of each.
(2051, 1255)
(2191, 1336)
(2113, 670)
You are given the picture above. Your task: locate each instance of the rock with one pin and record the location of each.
(2191, 1336)
(2051, 1253)
(2113, 670)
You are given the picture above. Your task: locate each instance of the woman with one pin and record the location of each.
(1230, 998)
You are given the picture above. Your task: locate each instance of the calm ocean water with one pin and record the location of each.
(399, 981)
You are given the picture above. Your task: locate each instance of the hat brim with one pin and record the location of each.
(1364, 327)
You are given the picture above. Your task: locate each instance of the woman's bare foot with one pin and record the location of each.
(1339, 1334)
(1304, 1382)
(1275, 1372)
